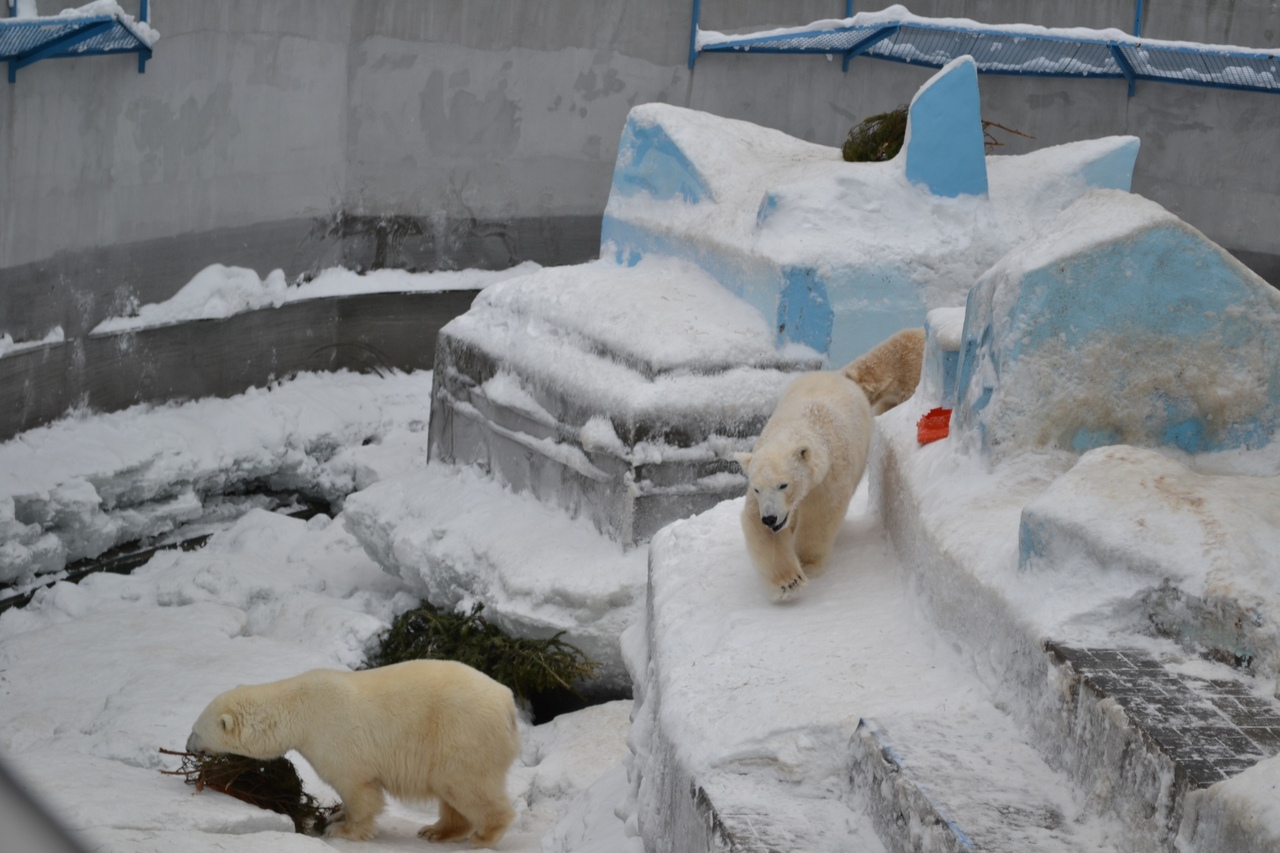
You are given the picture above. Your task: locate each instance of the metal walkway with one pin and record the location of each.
(26, 40)
(897, 35)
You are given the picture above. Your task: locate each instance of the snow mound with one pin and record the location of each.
(1201, 548)
(83, 485)
(456, 537)
(218, 292)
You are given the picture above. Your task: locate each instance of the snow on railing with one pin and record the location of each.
(1026, 49)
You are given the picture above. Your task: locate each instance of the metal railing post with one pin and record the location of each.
(693, 33)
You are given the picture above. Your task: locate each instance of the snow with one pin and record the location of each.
(219, 291)
(1211, 537)
(85, 484)
(455, 551)
(1013, 554)
(1119, 323)
(648, 315)
(8, 346)
(948, 325)
(757, 703)
(96, 677)
(832, 213)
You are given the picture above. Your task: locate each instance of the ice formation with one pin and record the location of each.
(1108, 322)
(835, 255)
(1120, 323)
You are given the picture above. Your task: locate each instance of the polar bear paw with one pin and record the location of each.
(790, 586)
(349, 830)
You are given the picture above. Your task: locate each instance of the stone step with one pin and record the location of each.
(964, 782)
(1129, 717)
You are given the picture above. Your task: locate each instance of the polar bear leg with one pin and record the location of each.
(486, 808)
(815, 536)
(451, 825)
(774, 555)
(361, 805)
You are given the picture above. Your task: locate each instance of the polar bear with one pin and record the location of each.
(419, 730)
(801, 474)
(889, 371)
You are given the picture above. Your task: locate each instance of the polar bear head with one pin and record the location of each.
(240, 721)
(779, 481)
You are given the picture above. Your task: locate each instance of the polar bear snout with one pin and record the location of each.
(773, 522)
(772, 505)
(195, 745)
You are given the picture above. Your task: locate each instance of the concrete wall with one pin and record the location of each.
(437, 133)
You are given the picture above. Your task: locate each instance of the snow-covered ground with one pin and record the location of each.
(95, 678)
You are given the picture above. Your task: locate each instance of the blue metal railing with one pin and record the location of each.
(24, 41)
(1014, 49)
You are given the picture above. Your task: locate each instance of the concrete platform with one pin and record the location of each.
(548, 384)
(839, 721)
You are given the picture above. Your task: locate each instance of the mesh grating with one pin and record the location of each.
(997, 51)
(20, 37)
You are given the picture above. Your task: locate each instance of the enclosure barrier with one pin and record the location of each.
(27, 39)
(1015, 49)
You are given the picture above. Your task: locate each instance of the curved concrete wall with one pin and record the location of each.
(435, 133)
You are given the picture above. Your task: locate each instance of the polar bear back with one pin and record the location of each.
(438, 718)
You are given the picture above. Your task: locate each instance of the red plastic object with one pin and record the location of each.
(934, 425)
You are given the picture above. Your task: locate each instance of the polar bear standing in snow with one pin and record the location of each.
(890, 371)
(801, 476)
(419, 730)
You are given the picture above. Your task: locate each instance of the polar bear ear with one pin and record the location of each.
(802, 453)
(226, 722)
(743, 459)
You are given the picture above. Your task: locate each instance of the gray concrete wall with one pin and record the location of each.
(437, 133)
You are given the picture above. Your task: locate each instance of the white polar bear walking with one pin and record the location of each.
(418, 730)
(802, 473)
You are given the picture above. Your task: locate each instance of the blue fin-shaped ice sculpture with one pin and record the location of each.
(944, 145)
